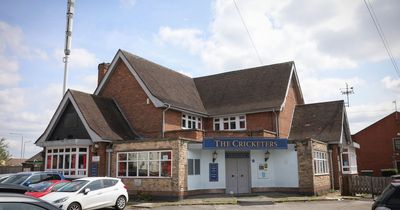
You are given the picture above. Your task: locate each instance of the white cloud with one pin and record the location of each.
(80, 58)
(391, 84)
(8, 72)
(319, 36)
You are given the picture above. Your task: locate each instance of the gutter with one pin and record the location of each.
(276, 123)
(163, 119)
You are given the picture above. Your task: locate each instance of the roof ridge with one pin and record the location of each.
(319, 103)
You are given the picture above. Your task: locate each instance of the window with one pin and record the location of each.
(191, 122)
(21, 206)
(320, 163)
(230, 123)
(72, 162)
(397, 144)
(95, 185)
(193, 166)
(144, 164)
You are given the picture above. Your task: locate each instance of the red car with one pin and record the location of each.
(46, 187)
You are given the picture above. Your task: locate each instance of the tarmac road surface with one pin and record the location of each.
(314, 205)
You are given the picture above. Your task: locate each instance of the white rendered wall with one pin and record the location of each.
(196, 182)
(282, 168)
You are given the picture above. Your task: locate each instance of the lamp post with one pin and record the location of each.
(22, 143)
(23, 153)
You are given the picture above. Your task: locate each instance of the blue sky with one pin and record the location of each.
(331, 42)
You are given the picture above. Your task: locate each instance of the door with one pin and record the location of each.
(237, 175)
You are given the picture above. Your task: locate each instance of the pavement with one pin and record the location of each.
(243, 200)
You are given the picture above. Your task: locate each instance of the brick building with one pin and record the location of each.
(380, 140)
(167, 134)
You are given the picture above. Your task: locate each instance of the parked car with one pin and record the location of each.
(46, 187)
(27, 178)
(389, 199)
(12, 197)
(4, 177)
(90, 193)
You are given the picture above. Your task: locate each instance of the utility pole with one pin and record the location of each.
(347, 91)
(68, 37)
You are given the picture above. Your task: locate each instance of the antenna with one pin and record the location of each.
(68, 37)
(347, 91)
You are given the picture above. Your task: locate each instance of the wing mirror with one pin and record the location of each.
(86, 191)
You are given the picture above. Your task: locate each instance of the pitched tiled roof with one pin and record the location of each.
(320, 121)
(103, 116)
(245, 90)
(167, 85)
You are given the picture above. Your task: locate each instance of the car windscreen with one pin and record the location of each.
(16, 179)
(40, 187)
(73, 186)
(386, 192)
(58, 186)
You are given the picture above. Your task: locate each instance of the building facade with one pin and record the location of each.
(380, 140)
(166, 134)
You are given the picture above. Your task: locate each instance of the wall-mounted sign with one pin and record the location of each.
(213, 170)
(95, 158)
(95, 167)
(249, 143)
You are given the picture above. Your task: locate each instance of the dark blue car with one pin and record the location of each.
(27, 178)
(389, 199)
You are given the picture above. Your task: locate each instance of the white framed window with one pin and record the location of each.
(396, 142)
(70, 161)
(144, 164)
(349, 160)
(230, 123)
(191, 122)
(321, 163)
(193, 166)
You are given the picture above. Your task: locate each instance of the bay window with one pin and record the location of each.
(191, 122)
(144, 164)
(66, 159)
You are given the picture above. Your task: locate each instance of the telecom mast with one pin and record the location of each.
(68, 37)
(347, 91)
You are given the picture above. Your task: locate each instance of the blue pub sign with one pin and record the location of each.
(245, 143)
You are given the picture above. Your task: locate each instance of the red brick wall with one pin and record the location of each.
(285, 117)
(261, 121)
(123, 87)
(335, 165)
(173, 120)
(376, 145)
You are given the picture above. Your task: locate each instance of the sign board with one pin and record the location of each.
(249, 143)
(95, 158)
(95, 167)
(213, 170)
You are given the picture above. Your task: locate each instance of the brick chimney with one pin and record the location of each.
(103, 67)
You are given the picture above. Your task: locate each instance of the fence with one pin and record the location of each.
(10, 169)
(353, 185)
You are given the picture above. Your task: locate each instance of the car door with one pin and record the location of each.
(111, 191)
(393, 202)
(95, 198)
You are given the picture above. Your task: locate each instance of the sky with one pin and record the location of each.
(332, 42)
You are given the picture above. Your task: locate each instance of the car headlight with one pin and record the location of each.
(61, 200)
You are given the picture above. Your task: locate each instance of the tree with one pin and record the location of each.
(4, 153)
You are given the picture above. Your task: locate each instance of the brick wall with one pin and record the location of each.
(173, 120)
(261, 121)
(165, 187)
(377, 141)
(286, 115)
(335, 166)
(123, 87)
(322, 183)
(102, 164)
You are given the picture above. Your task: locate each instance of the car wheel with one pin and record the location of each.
(74, 206)
(121, 202)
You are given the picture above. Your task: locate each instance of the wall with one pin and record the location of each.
(173, 120)
(377, 141)
(131, 98)
(164, 187)
(198, 182)
(286, 115)
(282, 168)
(260, 121)
(322, 183)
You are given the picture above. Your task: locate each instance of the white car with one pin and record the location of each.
(90, 193)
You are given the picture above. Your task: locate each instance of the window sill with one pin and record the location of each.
(142, 177)
(326, 174)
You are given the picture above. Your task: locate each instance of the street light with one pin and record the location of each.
(23, 153)
(22, 143)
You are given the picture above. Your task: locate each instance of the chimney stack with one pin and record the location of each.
(103, 67)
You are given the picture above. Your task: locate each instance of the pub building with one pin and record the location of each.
(169, 135)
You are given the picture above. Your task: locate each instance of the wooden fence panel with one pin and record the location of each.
(366, 184)
(10, 169)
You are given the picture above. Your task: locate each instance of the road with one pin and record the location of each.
(315, 205)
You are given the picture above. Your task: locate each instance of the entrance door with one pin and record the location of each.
(237, 175)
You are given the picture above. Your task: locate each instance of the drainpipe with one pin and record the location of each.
(331, 169)
(276, 123)
(163, 119)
